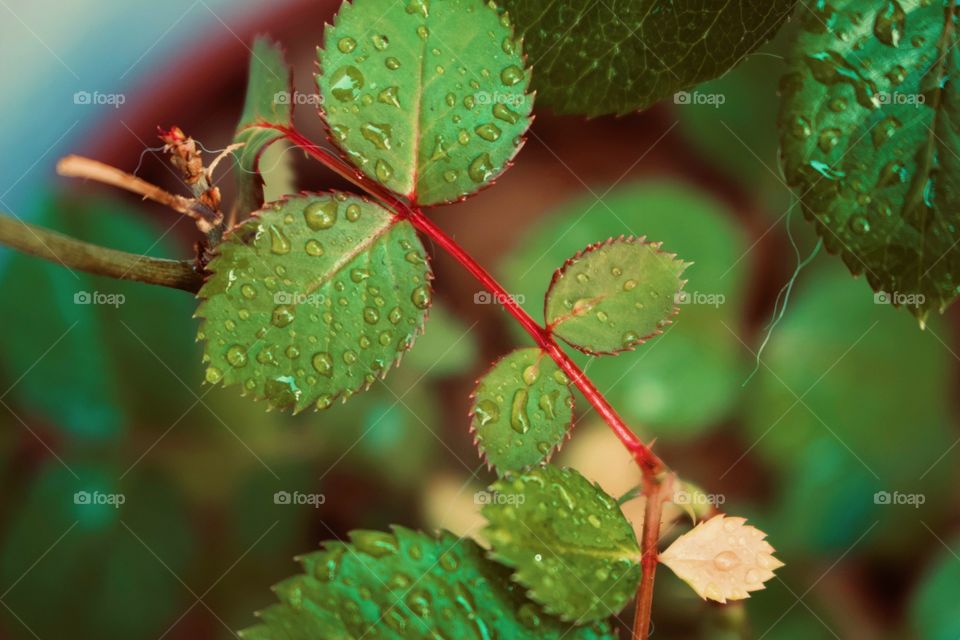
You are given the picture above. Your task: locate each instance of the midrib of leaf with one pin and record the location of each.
(417, 119)
(348, 257)
(620, 553)
(593, 302)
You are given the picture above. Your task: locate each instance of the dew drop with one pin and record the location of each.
(323, 364)
(237, 356)
(213, 375)
(248, 291)
(349, 357)
(282, 315)
(347, 45)
(487, 411)
(519, 421)
(371, 315)
(383, 171)
(324, 401)
(530, 374)
(380, 42)
(890, 23)
(392, 63)
(313, 248)
(859, 225)
(503, 112)
(489, 132)
(321, 215)
(389, 96)
(726, 560)
(511, 75)
(345, 83)
(420, 298)
(481, 168)
(378, 134)
(279, 244)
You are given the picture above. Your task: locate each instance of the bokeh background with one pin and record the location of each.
(840, 439)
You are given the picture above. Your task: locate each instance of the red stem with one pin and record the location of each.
(649, 462)
(653, 489)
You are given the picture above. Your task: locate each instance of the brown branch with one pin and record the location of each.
(79, 167)
(656, 490)
(83, 256)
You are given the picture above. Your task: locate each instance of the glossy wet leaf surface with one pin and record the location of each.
(269, 99)
(407, 585)
(689, 378)
(428, 97)
(870, 142)
(614, 295)
(595, 58)
(722, 559)
(312, 300)
(567, 540)
(522, 408)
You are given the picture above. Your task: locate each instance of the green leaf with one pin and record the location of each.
(406, 586)
(614, 295)
(448, 349)
(599, 58)
(870, 142)
(567, 540)
(312, 299)
(269, 99)
(83, 353)
(689, 379)
(101, 546)
(521, 410)
(831, 450)
(428, 98)
(933, 606)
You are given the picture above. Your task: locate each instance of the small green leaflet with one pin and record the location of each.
(406, 585)
(595, 58)
(312, 299)
(428, 97)
(870, 140)
(614, 295)
(269, 99)
(521, 410)
(568, 541)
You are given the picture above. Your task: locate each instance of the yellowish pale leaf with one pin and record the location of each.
(722, 559)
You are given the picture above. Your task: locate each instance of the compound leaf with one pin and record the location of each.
(595, 58)
(614, 295)
(521, 410)
(870, 136)
(690, 380)
(428, 98)
(269, 99)
(407, 585)
(722, 559)
(569, 542)
(313, 298)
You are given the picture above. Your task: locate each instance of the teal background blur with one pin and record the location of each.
(842, 446)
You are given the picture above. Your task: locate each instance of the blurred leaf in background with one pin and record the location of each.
(75, 564)
(92, 354)
(686, 380)
(933, 611)
(850, 411)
